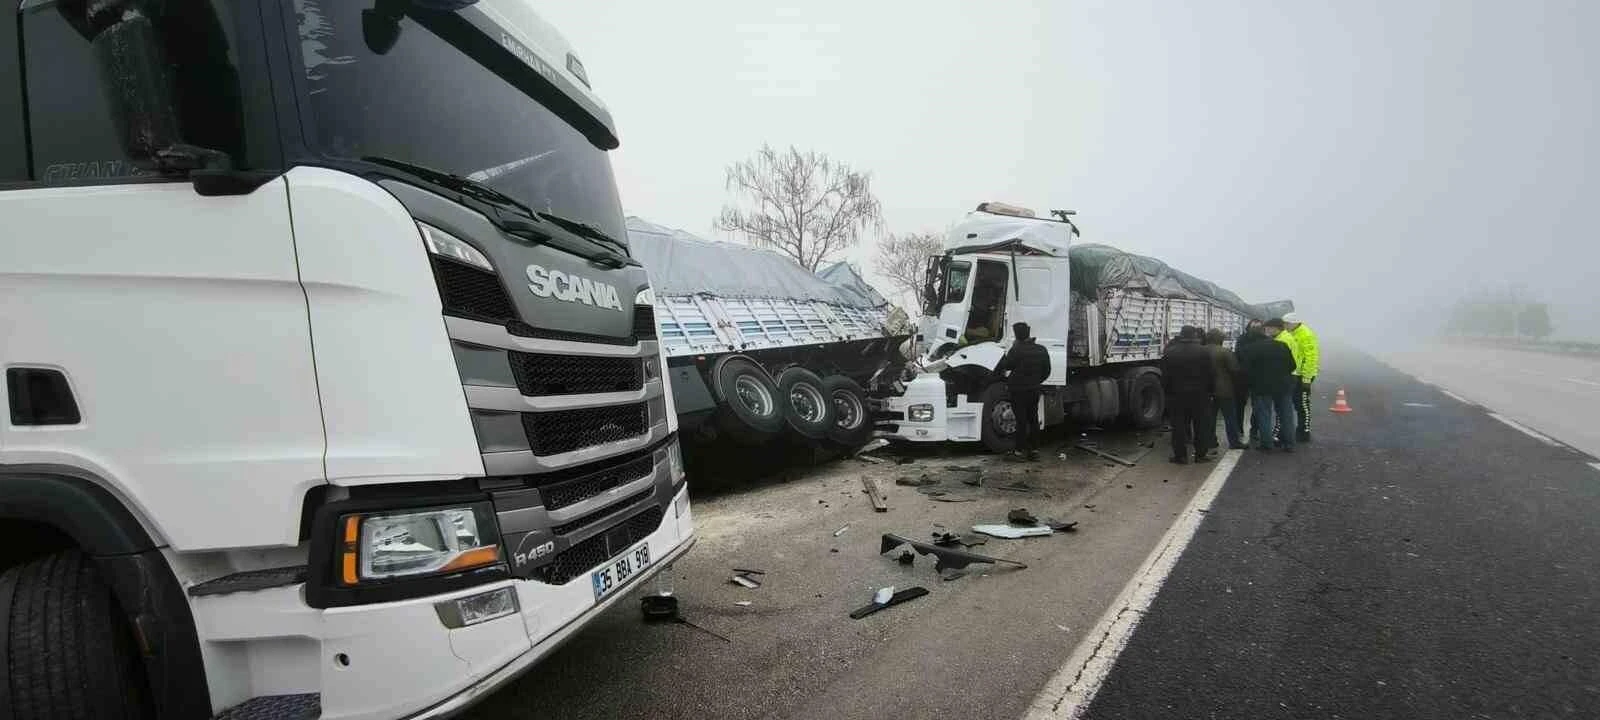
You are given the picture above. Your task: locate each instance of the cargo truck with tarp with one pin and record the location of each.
(757, 347)
(1105, 316)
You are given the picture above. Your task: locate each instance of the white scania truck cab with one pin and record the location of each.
(1103, 316)
(333, 390)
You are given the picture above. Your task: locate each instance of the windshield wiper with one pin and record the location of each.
(465, 186)
(583, 229)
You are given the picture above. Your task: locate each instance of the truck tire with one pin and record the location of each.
(69, 652)
(748, 407)
(1144, 402)
(852, 422)
(806, 407)
(999, 419)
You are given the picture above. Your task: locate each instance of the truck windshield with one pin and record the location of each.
(426, 101)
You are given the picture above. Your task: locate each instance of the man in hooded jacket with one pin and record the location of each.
(1189, 375)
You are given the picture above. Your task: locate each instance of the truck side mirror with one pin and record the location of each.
(137, 86)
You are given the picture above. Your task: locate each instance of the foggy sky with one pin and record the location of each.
(1367, 159)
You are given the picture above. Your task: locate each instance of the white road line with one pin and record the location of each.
(1590, 383)
(1524, 429)
(1454, 396)
(1068, 694)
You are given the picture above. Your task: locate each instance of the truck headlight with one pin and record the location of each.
(922, 412)
(672, 454)
(415, 543)
(446, 245)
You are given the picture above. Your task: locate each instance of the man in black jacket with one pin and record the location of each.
(1189, 375)
(1025, 367)
(1270, 367)
(1241, 385)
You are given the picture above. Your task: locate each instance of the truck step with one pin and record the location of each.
(251, 580)
(276, 707)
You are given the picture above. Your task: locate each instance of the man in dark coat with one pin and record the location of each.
(1270, 368)
(1025, 367)
(1189, 376)
(1241, 383)
(1222, 394)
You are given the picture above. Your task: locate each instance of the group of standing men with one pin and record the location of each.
(1271, 368)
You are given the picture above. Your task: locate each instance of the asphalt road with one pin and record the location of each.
(979, 646)
(1555, 394)
(1420, 560)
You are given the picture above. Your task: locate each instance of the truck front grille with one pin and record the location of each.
(544, 375)
(585, 556)
(644, 322)
(553, 433)
(471, 292)
(598, 515)
(572, 492)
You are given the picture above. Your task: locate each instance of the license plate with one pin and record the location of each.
(616, 574)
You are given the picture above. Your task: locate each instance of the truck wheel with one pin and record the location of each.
(68, 649)
(748, 400)
(1144, 402)
(999, 419)
(852, 424)
(806, 406)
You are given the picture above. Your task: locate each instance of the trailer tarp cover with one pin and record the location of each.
(1096, 267)
(681, 264)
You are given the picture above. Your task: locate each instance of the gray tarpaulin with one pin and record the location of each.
(681, 264)
(845, 276)
(1096, 267)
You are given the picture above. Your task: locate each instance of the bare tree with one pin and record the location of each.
(902, 259)
(802, 204)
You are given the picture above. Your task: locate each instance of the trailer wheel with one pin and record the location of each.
(852, 424)
(748, 400)
(1144, 402)
(999, 419)
(68, 650)
(806, 406)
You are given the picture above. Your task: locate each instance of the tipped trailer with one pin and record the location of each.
(1105, 316)
(758, 348)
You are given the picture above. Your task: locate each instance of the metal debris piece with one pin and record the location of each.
(840, 531)
(906, 558)
(874, 445)
(952, 574)
(744, 571)
(871, 459)
(943, 557)
(1021, 517)
(1011, 532)
(1118, 459)
(910, 593)
(743, 603)
(745, 581)
(941, 497)
(1061, 526)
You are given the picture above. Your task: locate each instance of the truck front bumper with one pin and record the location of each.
(398, 659)
(923, 414)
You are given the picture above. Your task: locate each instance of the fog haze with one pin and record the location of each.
(1369, 160)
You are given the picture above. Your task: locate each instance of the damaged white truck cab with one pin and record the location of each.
(1103, 316)
(333, 389)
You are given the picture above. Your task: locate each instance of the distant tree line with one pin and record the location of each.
(1503, 312)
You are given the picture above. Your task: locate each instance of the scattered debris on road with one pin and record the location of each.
(943, 497)
(944, 557)
(744, 571)
(908, 481)
(887, 597)
(743, 603)
(745, 581)
(840, 531)
(1061, 526)
(906, 557)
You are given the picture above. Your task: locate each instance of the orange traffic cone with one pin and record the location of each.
(1339, 404)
